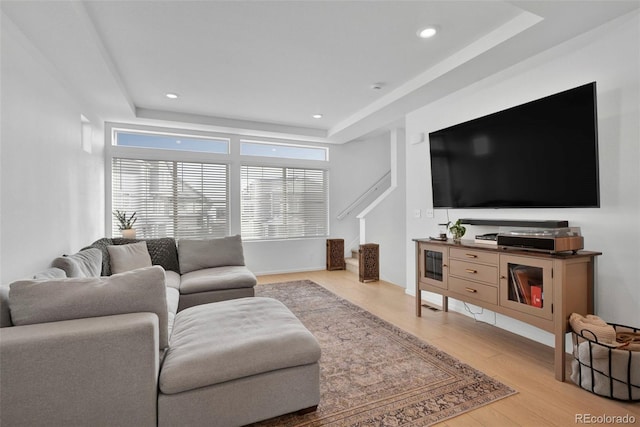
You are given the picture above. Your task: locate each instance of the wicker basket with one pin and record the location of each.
(605, 370)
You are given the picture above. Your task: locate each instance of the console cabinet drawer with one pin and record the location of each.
(475, 256)
(477, 291)
(473, 271)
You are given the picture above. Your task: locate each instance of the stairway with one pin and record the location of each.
(352, 263)
(368, 254)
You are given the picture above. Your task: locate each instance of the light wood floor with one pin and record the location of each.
(523, 364)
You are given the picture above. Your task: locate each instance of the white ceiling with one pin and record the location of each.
(270, 65)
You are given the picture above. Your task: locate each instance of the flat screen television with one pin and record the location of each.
(542, 154)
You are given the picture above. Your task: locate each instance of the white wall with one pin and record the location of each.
(385, 224)
(53, 192)
(353, 168)
(356, 166)
(52, 197)
(610, 56)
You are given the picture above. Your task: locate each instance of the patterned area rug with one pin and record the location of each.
(374, 374)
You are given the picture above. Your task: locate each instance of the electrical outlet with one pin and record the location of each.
(429, 213)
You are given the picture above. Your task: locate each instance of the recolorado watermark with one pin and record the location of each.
(604, 419)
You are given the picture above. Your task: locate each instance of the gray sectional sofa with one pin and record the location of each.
(203, 271)
(151, 333)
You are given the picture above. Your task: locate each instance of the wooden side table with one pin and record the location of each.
(368, 259)
(335, 254)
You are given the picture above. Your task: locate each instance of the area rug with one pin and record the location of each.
(375, 374)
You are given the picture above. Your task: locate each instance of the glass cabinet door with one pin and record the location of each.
(433, 265)
(524, 284)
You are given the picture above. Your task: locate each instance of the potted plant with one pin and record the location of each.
(457, 230)
(126, 224)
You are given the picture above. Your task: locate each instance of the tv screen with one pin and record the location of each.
(542, 154)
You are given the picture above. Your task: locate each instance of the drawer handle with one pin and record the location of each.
(471, 256)
(468, 270)
(473, 291)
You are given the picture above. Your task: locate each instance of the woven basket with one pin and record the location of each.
(606, 370)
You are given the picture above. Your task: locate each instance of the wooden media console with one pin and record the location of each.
(536, 288)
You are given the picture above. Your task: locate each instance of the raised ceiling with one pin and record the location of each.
(268, 66)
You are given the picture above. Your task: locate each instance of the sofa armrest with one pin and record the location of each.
(91, 371)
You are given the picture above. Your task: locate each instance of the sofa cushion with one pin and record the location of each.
(173, 297)
(163, 251)
(128, 257)
(172, 279)
(228, 340)
(196, 254)
(213, 279)
(5, 314)
(40, 301)
(86, 263)
(50, 273)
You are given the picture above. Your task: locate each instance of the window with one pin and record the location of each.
(283, 151)
(172, 198)
(171, 142)
(280, 203)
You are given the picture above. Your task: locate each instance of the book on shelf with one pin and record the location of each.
(514, 294)
(526, 285)
(536, 296)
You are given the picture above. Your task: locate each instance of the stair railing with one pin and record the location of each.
(364, 196)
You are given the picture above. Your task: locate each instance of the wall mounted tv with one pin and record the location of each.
(542, 154)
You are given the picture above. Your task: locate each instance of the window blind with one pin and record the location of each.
(171, 198)
(281, 203)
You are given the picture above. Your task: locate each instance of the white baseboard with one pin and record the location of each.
(300, 270)
(503, 322)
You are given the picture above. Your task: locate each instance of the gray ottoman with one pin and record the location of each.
(236, 362)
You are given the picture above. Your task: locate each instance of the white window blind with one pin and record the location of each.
(171, 198)
(280, 203)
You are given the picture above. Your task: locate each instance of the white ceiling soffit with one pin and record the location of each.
(266, 67)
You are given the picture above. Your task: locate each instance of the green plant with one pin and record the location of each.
(125, 223)
(457, 229)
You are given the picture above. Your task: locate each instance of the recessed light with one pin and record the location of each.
(317, 116)
(172, 95)
(427, 32)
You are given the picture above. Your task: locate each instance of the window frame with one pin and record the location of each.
(266, 142)
(117, 130)
(176, 194)
(233, 159)
(326, 185)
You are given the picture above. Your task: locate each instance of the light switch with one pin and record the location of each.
(417, 213)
